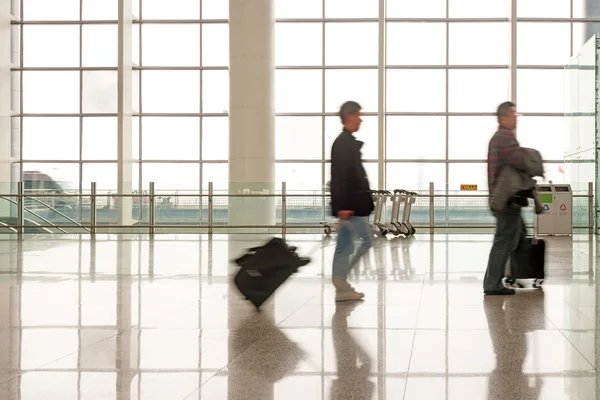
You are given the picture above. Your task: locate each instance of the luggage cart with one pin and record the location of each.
(380, 197)
(410, 199)
(398, 228)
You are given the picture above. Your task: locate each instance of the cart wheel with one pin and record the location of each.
(328, 231)
(395, 231)
(509, 281)
(538, 283)
(383, 232)
(413, 231)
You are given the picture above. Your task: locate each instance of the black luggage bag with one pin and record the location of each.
(528, 262)
(265, 268)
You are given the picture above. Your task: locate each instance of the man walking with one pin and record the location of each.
(510, 227)
(351, 201)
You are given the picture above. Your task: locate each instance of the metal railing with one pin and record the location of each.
(430, 205)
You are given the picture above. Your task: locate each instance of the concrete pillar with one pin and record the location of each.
(251, 111)
(125, 110)
(5, 104)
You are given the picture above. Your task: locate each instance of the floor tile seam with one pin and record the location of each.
(591, 363)
(412, 346)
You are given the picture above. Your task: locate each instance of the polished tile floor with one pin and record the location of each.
(129, 317)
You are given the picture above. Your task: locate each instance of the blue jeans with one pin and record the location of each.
(510, 233)
(345, 258)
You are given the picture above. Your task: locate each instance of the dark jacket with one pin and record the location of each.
(349, 183)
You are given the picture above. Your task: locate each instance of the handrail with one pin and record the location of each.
(8, 226)
(56, 211)
(39, 216)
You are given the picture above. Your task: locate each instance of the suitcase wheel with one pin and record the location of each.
(538, 283)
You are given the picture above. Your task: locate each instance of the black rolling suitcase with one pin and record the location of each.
(265, 268)
(528, 262)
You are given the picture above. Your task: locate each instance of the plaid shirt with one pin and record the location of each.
(503, 150)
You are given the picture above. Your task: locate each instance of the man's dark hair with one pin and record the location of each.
(504, 109)
(349, 107)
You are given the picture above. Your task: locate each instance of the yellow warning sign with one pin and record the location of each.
(469, 187)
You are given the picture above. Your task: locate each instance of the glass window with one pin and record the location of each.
(218, 174)
(368, 134)
(100, 138)
(215, 45)
(51, 92)
(100, 91)
(298, 138)
(544, 9)
(423, 35)
(416, 9)
(171, 91)
(300, 177)
(468, 48)
(105, 176)
(412, 90)
(215, 138)
(215, 92)
(56, 10)
(415, 176)
(477, 90)
(41, 50)
(298, 44)
(540, 90)
(135, 43)
(298, 91)
(351, 43)
(101, 9)
(415, 137)
(540, 43)
(469, 137)
(215, 9)
(176, 45)
(100, 43)
(478, 9)
(351, 8)
(159, 9)
(171, 177)
(170, 138)
(67, 172)
(135, 137)
(545, 134)
(467, 173)
(582, 32)
(51, 138)
(135, 8)
(298, 9)
(135, 88)
(358, 85)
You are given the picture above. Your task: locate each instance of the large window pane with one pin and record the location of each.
(298, 9)
(545, 134)
(171, 45)
(298, 91)
(301, 177)
(67, 173)
(135, 138)
(368, 134)
(218, 174)
(347, 84)
(160, 9)
(299, 44)
(478, 9)
(51, 92)
(215, 9)
(351, 8)
(100, 91)
(541, 43)
(101, 9)
(413, 176)
(215, 45)
(171, 138)
(100, 138)
(171, 177)
(215, 138)
(215, 91)
(543, 9)
(416, 9)
(427, 44)
(540, 90)
(135, 88)
(100, 44)
(56, 10)
(469, 137)
(477, 90)
(415, 137)
(51, 138)
(351, 43)
(411, 90)
(171, 91)
(41, 46)
(467, 173)
(105, 176)
(298, 138)
(135, 43)
(468, 48)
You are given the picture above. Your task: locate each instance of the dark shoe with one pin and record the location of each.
(499, 292)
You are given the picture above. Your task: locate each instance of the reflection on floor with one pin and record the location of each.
(127, 317)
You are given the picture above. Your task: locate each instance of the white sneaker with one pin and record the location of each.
(345, 292)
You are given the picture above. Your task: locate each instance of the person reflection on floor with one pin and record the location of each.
(509, 319)
(353, 363)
